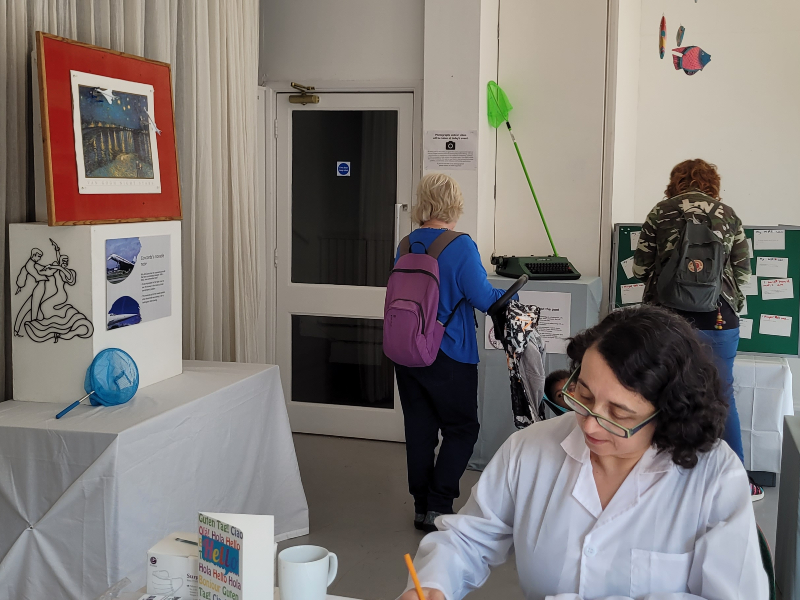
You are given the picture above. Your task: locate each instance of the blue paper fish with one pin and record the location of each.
(679, 37)
(690, 58)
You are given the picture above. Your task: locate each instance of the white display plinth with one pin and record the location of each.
(52, 349)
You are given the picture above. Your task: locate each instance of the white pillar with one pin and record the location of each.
(460, 58)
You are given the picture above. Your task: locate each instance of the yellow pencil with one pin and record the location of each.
(414, 578)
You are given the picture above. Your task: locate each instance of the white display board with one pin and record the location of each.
(60, 310)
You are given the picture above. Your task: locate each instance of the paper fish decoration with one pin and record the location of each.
(153, 123)
(691, 59)
(107, 94)
(679, 37)
(662, 37)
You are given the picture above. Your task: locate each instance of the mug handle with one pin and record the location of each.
(333, 567)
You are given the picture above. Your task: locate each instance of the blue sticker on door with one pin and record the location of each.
(343, 169)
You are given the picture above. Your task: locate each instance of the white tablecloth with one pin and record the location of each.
(762, 386)
(83, 498)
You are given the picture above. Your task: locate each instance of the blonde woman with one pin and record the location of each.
(444, 396)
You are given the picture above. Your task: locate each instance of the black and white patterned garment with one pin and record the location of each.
(525, 354)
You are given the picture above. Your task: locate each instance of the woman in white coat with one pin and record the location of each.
(632, 495)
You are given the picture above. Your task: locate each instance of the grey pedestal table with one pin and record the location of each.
(787, 559)
(494, 394)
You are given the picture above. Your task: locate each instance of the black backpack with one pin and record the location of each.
(691, 277)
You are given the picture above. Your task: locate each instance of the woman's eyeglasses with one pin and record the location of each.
(607, 424)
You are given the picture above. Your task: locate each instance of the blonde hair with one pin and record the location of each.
(438, 197)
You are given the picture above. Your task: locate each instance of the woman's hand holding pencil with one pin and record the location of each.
(419, 593)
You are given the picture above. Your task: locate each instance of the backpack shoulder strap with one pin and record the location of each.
(442, 241)
(405, 245)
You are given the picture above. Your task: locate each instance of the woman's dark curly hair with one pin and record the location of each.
(694, 174)
(657, 354)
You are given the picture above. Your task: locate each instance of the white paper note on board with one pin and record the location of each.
(776, 289)
(745, 328)
(627, 266)
(632, 293)
(775, 325)
(769, 239)
(744, 308)
(554, 319)
(634, 240)
(751, 287)
(750, 248)
(772, 266)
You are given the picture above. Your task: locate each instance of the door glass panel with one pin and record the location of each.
(343, 215)
(339, 360)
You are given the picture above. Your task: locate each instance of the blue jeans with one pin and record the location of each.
(723, 344)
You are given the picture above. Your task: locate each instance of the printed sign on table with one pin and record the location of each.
(138, 280)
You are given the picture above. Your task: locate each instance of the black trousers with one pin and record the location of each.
(442, 397)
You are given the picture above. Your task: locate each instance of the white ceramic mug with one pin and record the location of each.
(305, 572)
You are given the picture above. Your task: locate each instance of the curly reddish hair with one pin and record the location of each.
(694, 174)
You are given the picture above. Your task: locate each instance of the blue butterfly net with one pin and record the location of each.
(113, 377)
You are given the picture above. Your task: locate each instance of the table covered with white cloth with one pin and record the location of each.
(83, 498)
(762, 386)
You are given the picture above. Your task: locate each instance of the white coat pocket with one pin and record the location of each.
(658, 572)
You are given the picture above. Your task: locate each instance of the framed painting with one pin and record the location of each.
(108, 129)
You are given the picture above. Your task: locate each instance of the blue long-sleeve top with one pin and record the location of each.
(461, 275)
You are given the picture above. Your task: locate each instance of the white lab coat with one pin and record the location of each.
(668, 533)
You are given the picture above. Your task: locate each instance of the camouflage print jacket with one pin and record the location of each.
(660, 234)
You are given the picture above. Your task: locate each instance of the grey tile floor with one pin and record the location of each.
(360, 509)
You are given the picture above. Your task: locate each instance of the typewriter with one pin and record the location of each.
(535, 267)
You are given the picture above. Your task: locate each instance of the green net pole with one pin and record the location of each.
(530, 185)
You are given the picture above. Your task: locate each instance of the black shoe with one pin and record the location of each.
(418, 520)
(428, 524)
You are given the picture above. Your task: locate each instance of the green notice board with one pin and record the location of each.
(762, 316)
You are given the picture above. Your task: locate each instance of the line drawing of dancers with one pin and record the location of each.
(47, 314)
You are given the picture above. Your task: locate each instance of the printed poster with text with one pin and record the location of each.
(138, 280)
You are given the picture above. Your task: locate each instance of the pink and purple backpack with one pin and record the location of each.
(411, 333)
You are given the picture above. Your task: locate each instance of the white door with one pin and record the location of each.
(344, 177)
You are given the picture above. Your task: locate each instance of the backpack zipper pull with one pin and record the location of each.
(718, 325)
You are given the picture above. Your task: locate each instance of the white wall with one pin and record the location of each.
(742, 112)
(310, 41)
(552, 66)
(626, 109)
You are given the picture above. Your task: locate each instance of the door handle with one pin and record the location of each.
(397, 209)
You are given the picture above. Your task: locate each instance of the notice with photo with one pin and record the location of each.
(138, 280)
(634, 240)
(776, 289)
(772, 266)
(751, 287)
(632, 293)
(554, 319)
(451, 150)
(769, 239)
(745, 328)
(627, 266)
(775, 325)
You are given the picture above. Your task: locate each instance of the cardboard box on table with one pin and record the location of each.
(52, 368)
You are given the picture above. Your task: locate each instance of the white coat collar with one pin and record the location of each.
(585, 490)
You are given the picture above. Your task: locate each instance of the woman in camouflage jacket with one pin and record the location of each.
(694, 189)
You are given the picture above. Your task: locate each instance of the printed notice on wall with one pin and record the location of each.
(554, 319)
(769, 239)
(138, 284)
(775, 325)
(451, 150)
(627, 266)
